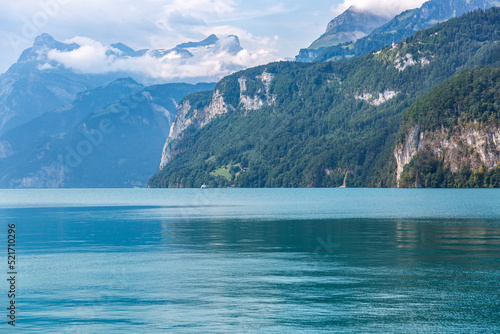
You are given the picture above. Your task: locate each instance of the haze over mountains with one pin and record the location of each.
(46, 106)
(83, 114)
(204, 61)
(106, 137)
(51, 73)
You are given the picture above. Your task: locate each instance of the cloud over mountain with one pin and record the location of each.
(151, 24)
(187, 61)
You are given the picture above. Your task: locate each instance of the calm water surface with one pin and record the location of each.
(254, 261)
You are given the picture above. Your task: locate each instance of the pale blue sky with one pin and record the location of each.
(279, 27)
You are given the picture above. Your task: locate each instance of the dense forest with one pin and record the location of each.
(331, 121)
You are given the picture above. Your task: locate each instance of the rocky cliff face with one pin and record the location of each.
(263, 97)
(188, 116)
(405, 152)
(349, 26)
(471, 146)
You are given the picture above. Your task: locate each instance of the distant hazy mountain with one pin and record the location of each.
(64, 119)
(37, 84)
(404, 25)
(26, 91)
(47, 110)
(34, 85)
(91, 143)
(349, 26)
(209, 41)
(191, 62)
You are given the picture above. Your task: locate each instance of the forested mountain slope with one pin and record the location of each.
(451, 137)
(297, 125)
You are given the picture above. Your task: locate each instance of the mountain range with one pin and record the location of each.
(47, 109)
(419, 110)
(107, 137)
(333, 123)
(401, 26)
(349, 26)
(40, 81)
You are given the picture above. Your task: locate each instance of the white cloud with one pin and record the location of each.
(145, 24)
(94, 58)
(389, 8)
(162, 24)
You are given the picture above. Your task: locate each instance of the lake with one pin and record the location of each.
(254, 260)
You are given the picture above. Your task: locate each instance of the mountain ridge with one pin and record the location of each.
(37, 83)
(296, 124)
(111, 144)
(401, 26)
(349, 26)
(67, 116)
(404, 25)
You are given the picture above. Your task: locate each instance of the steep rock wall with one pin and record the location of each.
(470, 146)
(187, 116)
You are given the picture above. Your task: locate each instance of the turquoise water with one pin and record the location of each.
(254, 260)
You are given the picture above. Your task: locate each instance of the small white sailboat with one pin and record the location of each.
(205, 186)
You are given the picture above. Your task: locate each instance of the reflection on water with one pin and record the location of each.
(237, 267)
